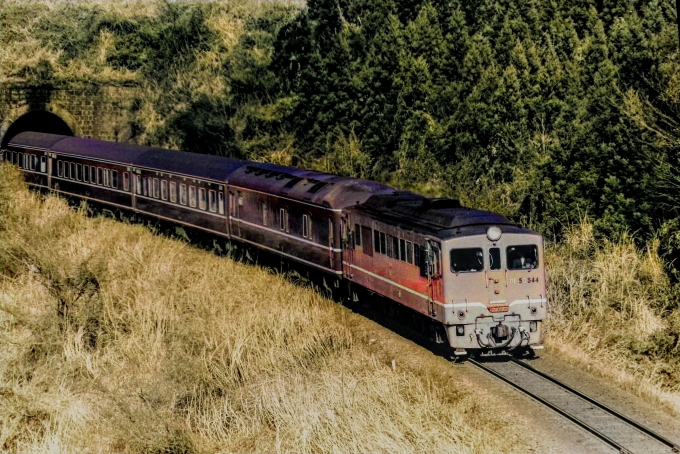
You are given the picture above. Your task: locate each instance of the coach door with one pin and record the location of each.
(434, 274)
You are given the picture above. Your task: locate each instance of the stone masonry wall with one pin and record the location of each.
(90, 111)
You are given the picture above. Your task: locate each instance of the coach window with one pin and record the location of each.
(145, 186)
(114, 179)
(138, 184)
(283, 219)
(183, 194)
(173, 192)
(67, 170)
(201, 198)
(79, 172)
(156, 188)
(86, 173)
(21, 160)
(60, 168)
(72, 175)
(192, 196)
(107, 178)
(264, 213)
(306, 226)
(220, 202)
(164, 190)
(126, 181)
(34, 161)
(93, 175)
(100, 175)
(212, 201)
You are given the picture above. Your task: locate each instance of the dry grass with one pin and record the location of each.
(118, 340)
(614, 310)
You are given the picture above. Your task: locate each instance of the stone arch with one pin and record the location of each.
(37, 120)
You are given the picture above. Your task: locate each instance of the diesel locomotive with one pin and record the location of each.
(475, 279)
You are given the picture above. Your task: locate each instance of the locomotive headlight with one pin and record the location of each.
(460, 330)
(533, 326)
(494, 233)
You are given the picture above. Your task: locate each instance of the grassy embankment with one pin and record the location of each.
(613, 310)
(114, 339)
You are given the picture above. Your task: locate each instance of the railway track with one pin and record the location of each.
(613, 428)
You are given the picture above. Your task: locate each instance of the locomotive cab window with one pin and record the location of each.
(467, 260)
(522, 257)
(494, 258)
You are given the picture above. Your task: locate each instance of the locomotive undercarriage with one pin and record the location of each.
(494, 333)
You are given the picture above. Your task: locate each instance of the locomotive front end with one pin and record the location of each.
(495, 289)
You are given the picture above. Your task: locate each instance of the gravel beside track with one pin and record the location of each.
(611, 427)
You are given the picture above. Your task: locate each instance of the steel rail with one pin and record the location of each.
(602, 406)
(555, 408)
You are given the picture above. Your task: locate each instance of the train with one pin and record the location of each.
(474, 280)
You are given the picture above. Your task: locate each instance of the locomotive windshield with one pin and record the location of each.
(522, 257)
(467, 260)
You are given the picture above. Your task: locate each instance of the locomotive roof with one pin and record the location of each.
(435, 215)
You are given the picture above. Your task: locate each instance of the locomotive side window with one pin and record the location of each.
(357, 235)
(114, 179)
(60, 168)
(409, 252)
(220, 202)
(192, 196)
(201, 198)
(494, 258)
(164, 190)
(156, 188)
(402, 249)
(522, 257)
(126, 181)
(183, 194)
(467, 260)
(173, 192)
(366, 240)
(212, 202)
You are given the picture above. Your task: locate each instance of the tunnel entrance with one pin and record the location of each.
(39, 121)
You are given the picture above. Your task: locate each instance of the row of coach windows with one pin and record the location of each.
(91, 174)
(189, 195)
(386, 244)
(27, 161)
(284, 221)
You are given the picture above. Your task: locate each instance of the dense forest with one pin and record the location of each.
(546, 111)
